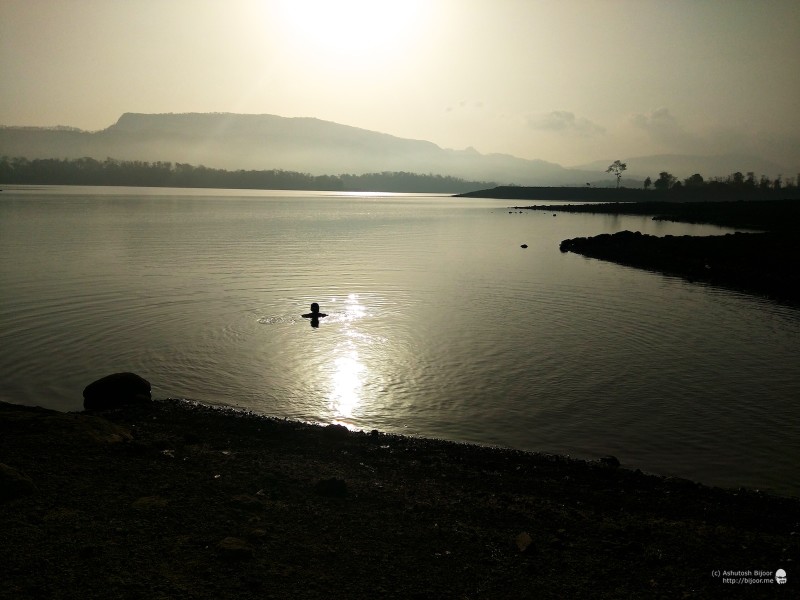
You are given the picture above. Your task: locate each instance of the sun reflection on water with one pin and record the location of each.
(353, 309)
(349, 372)
(347, 384)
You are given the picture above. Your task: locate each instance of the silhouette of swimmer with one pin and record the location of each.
(314, 315)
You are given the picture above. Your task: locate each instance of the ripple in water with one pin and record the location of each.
(439, 325)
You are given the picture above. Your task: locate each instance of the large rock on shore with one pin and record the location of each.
(116, 390)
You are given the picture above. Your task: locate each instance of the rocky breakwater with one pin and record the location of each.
(760, 263)
(760, 259)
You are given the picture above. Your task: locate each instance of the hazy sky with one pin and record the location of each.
(568, 81)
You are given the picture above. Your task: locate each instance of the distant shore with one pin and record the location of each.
(710, 193)
(90, 172)
(175, 500)
(574, 194)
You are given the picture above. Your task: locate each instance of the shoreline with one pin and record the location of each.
(172, 499)
(704, 194)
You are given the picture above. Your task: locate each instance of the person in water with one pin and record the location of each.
(314, 315)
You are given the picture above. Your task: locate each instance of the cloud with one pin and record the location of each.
(464, 106)
(562, 121)
(668, 134)
(664, 128)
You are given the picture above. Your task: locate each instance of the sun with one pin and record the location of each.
(350, 33)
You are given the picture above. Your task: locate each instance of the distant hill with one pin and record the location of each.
(236, 141)
(307, 145)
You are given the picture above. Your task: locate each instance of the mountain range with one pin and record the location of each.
(308, 145)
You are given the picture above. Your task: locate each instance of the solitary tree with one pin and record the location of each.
(648, 182)
(617, 167)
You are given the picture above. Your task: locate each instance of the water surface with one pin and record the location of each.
(439, 323)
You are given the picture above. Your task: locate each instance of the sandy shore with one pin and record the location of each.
(173, 500)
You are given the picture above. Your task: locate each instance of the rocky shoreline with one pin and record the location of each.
(170, 499)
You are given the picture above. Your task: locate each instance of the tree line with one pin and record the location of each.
(667, 181)
(736, 185)
(89, 171)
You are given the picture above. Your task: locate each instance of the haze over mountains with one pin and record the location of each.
(308, 145)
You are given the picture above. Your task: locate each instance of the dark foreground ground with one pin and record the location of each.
(174, 500)
(762, 262)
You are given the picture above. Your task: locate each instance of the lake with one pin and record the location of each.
(439, 324)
